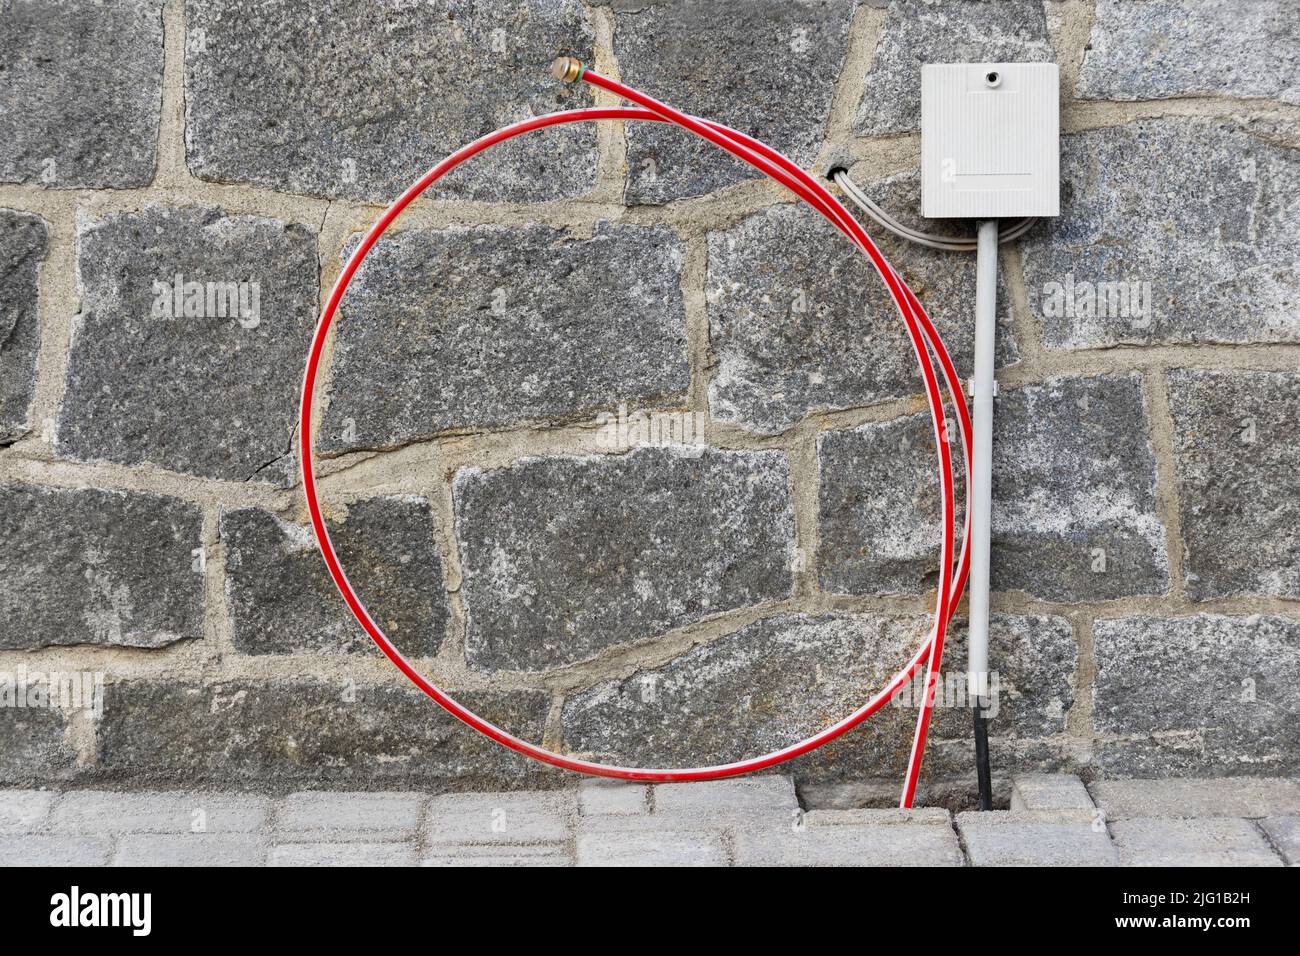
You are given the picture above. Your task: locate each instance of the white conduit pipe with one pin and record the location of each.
(981, 492)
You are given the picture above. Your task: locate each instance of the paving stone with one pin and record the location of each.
(1284, 834)
(725, 797)
(887, 844)
(1105, 272)
(283, 601)
(68, 66)
(343, 854)
(764, 67)
(1074, 516)
(486, 326)
(42, 850)
(1230, 797)
(22, 811)
(190, 850)
(658, 847)
(213, 394)
(363, 813)
(24, 240)
(1228, 680)
(499, 856)
(402, 85)
(498, 818)
(768, 685)
(1148, 51)
(1058, 791)
(307, 732)
(565, 557)
(917, 32)
(916, 816)
(1219, 842)
(87, 566)
(33, 748)
(602, 797)
(1004, 838)
(166, 812)
(1237, 456)
(799, 320)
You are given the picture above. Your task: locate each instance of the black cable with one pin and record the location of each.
(982, 757)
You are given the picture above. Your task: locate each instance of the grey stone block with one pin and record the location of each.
(24, 240)
(1230, 797)
(485, 326)
(799, 320)
(1284, 834)
(283, 601)
(98, 567)
(917, 32)
(1230, 681)
(879, 817)
(33, 748)
(42, 850)
(213, 394)
(324, 811)
(1237, 454)
(618, 797)
(190, 850)
(564, 557)
(379, 93)
(343, 854)
(1148, 51)
(887, 844)
(499, 818)
(1003, 838)
(651, 848)
(725, 797)
(1074, 515)
(545, 855)
(282, 735)
(1175, 230)
(1051, 792)
(100, 812)
(764, 67)
(1219, 842)
(69, 66)
(22, 811)
(768, 685)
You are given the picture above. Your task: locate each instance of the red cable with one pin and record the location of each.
(920, 330)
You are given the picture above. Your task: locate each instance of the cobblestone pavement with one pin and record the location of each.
(1052, 820)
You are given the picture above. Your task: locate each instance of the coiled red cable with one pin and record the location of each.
(921, 333)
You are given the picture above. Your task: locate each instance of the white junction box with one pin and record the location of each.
(990, 140)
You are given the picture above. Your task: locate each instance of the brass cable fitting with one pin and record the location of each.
(567, 69)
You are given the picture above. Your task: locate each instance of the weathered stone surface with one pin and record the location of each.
(721, 800)
(1148, 51)
(31, 849)
(343, 854)
(600, 797)
(1221, 842)
(651, 847)
(764, 67)
(1284, 834)
(1073, 497)
(1057, 791)
(564, 557)
(191, 849)
(68, 67)
(1238, 461)
(493, 325)
(498, 818)
(1171, 230)
(286, 734)
(324, 811)
(213, 394)
(1228, 681)
(889, 844)
(23, 242)
(917, 32)
(22, 811)
(769, 685)
(33, 750)
(779, 680)
(999, 838)
(97, 567)
(545, 854)
(282, 599)
(102, 812)
(800, 321)
(1229, 797)
(375, 94)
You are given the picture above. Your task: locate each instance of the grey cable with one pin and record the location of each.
(947, 243)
